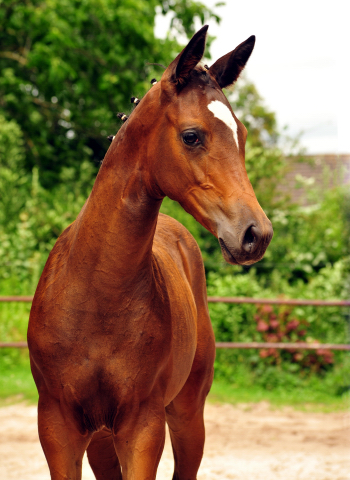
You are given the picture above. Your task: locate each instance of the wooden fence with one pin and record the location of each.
(244, 345)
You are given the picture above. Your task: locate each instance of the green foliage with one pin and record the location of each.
(307, 239)
(28, 238)
(265, 162)
(313, 395)
(68, 66)
(184, 12)
(279, 325)
(12, 174)
(15, 377)
(16, 381)
(238, 323)
(31, 217)
(66, 69)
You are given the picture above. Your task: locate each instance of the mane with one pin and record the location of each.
(199, 75)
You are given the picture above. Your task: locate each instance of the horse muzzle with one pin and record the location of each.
(245, 246)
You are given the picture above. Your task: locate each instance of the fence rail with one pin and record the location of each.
(22, 298)
(284, 346)
(257, 301)
(243, 345)
(281, 301)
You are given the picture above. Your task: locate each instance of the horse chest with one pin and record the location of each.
(137, 347)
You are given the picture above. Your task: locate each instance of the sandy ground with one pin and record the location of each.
(244, 442)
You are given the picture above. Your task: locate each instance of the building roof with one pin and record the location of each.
(322, 171)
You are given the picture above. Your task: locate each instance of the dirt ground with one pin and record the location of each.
(244, 442)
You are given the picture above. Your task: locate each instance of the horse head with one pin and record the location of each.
(195, 149)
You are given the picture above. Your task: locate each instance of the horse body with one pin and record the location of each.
(119, 335)
(134, 331)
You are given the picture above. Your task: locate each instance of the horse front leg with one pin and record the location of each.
(187, 433)
(139, 438)
(62, 443)
(102, 456)
(185, 417)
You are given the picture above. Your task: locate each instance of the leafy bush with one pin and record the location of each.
(277, 325)
(68, 68)
(27, 237)
(57, 107)
(239, 322)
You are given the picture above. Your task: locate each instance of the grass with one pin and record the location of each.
(13, 321)
(16, 381)
(328, 394)
(307, 399)
(16, 384)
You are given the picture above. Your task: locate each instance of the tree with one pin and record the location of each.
(68, 66)
(12, 173)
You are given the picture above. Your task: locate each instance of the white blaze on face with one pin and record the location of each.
(223, 113)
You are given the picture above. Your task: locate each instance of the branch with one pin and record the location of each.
(14, 56)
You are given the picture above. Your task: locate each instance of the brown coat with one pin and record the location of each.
(120, 336)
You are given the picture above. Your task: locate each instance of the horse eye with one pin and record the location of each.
(190, 138)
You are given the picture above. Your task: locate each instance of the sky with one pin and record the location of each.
(300, 63)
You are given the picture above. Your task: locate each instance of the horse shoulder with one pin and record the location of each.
(173, 240)
(180, 262)
(179, 254)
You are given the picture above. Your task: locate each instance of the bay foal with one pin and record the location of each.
(119, 335)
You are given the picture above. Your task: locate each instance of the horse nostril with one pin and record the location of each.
(251, 239)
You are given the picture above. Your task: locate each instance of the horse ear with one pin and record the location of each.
(227, 69)
(180, 68)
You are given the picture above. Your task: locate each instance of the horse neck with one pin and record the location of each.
(115, 230)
